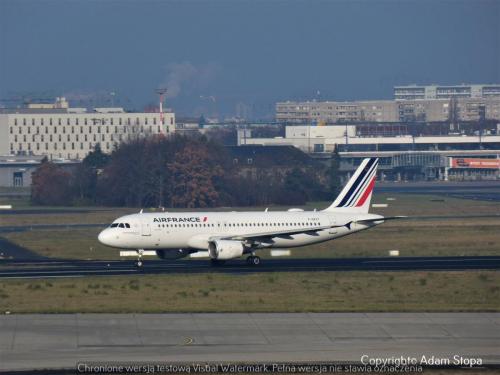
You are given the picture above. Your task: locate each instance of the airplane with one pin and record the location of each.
(231, 235)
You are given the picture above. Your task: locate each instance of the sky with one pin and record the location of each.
(229, 57)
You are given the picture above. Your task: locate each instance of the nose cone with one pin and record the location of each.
(105, 237)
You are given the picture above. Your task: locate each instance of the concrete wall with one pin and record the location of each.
(7, 175)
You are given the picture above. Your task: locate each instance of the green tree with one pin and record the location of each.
(96, 159)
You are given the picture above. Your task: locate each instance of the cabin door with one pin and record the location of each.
(222, 226)
(145, 227)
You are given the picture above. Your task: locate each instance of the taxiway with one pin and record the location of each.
(32, 341)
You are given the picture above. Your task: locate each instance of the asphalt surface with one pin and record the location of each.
(24, 228)
(11, 250)
(34, 341)
(477, 190)
(78, 268)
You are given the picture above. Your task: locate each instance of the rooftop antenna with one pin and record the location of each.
(161, 93)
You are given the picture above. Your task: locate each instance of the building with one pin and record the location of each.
(402, 156)
(414, 92)
(15, 171)
(450, 165)
(411, 104)
(60, 132)
(334, 112)
(382, 111)
(348, 138)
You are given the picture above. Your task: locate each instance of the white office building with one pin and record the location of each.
(412, 92)
(60, 132)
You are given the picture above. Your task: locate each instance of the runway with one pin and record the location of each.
(34, 341)
(79, 268)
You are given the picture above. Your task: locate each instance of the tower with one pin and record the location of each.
(161, 93)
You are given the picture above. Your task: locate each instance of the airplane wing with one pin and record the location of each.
(279, 233)
(307, 230)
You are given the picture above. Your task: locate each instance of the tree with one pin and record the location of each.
(201, 122)
(295, 187)
(334, 173)
(51, 185)
(194, 173)
(197, 171)
(87, 173)
(96, 159)
(124, 179)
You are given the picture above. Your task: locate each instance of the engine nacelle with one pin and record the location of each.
(174, 253)
(224, 249)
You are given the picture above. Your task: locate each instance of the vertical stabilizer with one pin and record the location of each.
(357, 194)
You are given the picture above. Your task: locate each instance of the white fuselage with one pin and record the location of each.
(194, 230)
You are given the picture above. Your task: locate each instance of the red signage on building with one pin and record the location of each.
(475, 163)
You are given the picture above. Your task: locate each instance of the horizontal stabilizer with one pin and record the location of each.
(367, 221)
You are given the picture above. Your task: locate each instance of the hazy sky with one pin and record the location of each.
(213, 55)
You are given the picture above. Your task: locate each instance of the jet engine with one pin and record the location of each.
(224, 249)
(174, 253)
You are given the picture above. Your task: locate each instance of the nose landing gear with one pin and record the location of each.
(139, 262)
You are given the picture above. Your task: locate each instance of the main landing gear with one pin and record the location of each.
(253, 260)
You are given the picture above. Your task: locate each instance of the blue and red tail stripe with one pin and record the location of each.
(362, 186)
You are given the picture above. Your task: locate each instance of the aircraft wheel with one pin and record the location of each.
(253, 260)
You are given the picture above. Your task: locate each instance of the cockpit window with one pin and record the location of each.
(120, 225)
